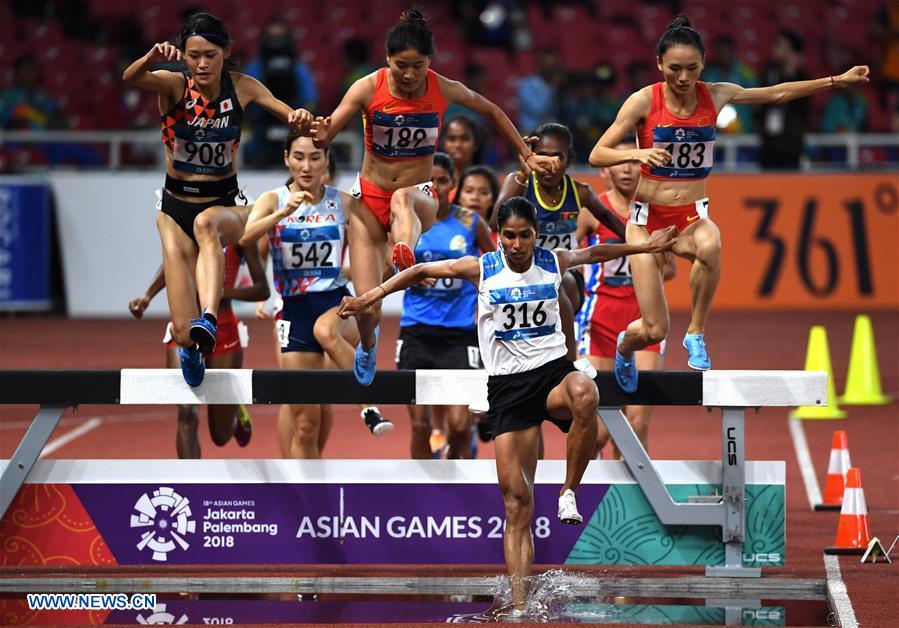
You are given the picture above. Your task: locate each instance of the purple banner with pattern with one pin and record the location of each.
(321, 523)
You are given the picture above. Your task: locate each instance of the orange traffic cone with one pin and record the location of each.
(836, 473)
(852, 531)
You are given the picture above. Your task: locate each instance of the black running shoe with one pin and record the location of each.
(377, 425)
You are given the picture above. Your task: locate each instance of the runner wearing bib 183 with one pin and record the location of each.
(675, 122)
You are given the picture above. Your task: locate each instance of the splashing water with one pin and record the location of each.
(547, 596)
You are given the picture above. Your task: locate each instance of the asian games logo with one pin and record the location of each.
(680, 134)
(515, 294)
(168, 517)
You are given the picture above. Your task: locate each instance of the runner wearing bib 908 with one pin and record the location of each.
(402, 107)
(675, 122)
(201, 112)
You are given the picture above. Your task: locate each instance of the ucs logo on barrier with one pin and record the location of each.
(168, 517)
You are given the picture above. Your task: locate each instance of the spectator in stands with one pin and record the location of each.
(846, 110)
(25, 106)
(725, 67)
(356, 54)
(463, 139)
(538, 93)
(487, 22)
(473, 74)
(279, 68)
(783, 126)
(588, 106)
(638, 76)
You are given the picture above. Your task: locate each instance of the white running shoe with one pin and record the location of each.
(568, 509)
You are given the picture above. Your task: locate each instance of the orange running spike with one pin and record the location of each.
(836, 473)
(852, 531)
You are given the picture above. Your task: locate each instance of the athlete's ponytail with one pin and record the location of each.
(411, 33)
(516, 206)
(680, 33)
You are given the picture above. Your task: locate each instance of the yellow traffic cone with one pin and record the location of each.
(818, 359)
(863, 378)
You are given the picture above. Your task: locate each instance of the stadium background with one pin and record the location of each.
(812, 246)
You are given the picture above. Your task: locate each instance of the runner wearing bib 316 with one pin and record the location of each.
(529, 379)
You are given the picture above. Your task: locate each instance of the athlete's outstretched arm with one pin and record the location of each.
(357, 96)
(138, 305)
(463, 268)
(299, 119)
(724, 93)
(602, 213)
(259, 291)
(483, 238)
(632, 113)
(660, 240)
(456, 92)
(515, 184)
(164, 82)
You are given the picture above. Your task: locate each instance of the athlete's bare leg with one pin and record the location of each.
(179, 259)
(646, 270)
(367, 240)
(458, 434)
(701, 242)
(187, 441)
(412, 212)
(306, 417)
(575, 398)
(222, 417)
(516, 465)
(420, 417)
(637, 416)
(214, 229)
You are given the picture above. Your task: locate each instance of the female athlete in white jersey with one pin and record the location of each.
(523, 349)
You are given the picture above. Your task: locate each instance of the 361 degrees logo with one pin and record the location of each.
(167, 515)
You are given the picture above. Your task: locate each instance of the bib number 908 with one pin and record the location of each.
(205, 153)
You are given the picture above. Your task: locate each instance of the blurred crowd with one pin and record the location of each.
(44, 40)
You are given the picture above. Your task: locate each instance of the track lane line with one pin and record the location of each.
(806, 467)
(837, 593)
(91, 424)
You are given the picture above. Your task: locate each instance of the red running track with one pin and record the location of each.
(736, 340)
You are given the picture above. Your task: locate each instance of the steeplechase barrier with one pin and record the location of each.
(727, 514)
